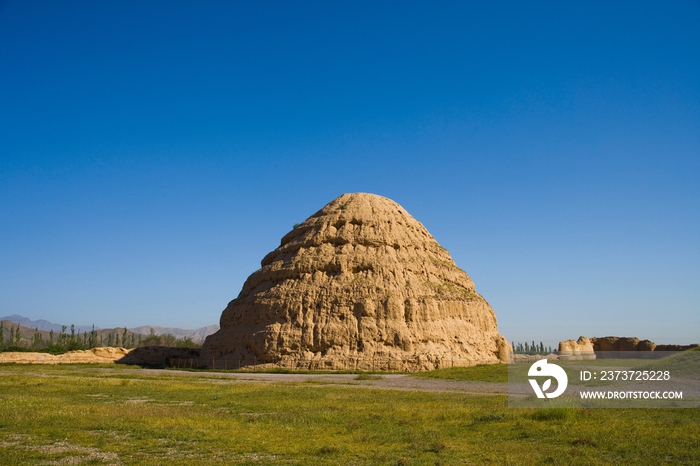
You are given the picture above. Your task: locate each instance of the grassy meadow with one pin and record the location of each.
(89, 415)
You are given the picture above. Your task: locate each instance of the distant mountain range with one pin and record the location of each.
(45, 324)
(197, 335)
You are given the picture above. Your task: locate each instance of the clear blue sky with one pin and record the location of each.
(152, 152)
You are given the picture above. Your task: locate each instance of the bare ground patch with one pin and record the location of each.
(65, 452)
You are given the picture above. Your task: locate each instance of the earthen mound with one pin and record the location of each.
(612, 343)
(359, 285)
(579, 349)
(99, 355)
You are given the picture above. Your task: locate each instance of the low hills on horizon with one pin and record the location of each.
(196, 335)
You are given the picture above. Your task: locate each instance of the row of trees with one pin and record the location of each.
(167, 339)
(11, 340)
(531, 348)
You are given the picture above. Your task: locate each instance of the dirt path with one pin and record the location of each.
(383, 381)
(406, 382)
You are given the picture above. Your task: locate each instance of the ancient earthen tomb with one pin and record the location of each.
(359, 284)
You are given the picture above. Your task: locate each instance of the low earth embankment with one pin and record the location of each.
(101, 355)
(144, 355)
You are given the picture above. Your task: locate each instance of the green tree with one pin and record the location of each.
(36, 339)
(152, 339)
(168, 339)
(186, 343)
(93, 337)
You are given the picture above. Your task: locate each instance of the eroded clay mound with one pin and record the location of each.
(597, 344)
(360, 281)
(99, 355)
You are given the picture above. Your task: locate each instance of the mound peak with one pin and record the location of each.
(359, 281)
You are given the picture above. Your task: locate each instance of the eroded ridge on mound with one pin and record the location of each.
(360, 281)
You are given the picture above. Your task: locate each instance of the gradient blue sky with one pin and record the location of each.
(151, 153)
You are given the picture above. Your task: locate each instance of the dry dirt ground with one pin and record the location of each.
(376, 381)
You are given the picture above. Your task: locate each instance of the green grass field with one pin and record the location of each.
(479, 373)
(85, 415)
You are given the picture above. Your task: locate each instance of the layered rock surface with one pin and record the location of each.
(579, 349)
(622, 344)
(612, 343)
(359, 284)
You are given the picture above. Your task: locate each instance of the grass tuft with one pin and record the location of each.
(490, 418)
(584, 441)
(437, 447)
(554, 414)
(329, 449)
